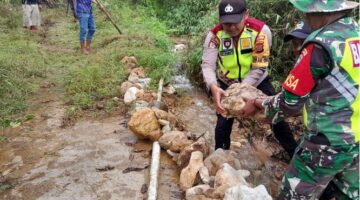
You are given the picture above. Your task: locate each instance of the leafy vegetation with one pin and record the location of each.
(28, 59)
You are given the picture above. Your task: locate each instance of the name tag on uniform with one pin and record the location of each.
(245, 45)
(227, 47)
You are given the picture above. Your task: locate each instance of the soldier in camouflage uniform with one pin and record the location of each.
(325, 84)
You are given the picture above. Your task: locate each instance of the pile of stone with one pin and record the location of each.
(203, 175)
(134, 89)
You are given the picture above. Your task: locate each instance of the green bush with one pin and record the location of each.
(279, 15)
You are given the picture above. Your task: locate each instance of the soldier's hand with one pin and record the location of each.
(250, 109)
(217, 94)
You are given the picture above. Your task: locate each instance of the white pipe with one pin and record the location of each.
(154, 171)
(161, 82)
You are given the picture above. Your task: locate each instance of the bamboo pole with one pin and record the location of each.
(107, 13)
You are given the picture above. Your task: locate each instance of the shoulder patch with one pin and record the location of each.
(254, 24)
(259, 43)
(214, 42)
(300, 81)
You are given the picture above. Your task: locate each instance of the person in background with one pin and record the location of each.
(31, 17)
(24, 19)
(324, 83)
(240, 46)
(297, 37)
(87, 23)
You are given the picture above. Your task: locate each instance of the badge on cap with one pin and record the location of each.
(229, 8)
(299, 25)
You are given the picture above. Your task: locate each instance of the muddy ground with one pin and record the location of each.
(99, 158)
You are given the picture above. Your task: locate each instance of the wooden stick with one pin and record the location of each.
(107, 13)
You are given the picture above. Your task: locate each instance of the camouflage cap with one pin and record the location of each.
(313, 6)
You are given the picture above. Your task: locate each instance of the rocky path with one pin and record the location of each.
(45, 158)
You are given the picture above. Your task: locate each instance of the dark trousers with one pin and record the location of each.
(281, 130)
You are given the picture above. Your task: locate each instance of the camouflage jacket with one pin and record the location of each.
(325, 82)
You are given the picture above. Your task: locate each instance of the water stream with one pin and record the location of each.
(198, 113)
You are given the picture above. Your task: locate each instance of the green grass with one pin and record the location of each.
(52, 54)
(21, 63)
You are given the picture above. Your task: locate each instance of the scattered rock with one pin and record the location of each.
(215, 161)
(179, 47)
(204, 175)
(145, 96)
(200, 145)
(243, 192)
(166, 129)
(133, 78)
(160, 114)
(188, 174)
(139, 72)
(197, 190)
(130, 62)
(125, 86)
(163, 122)
(171, 153)
(144, 82)
(138, 105)
(131, 95)
(144, 124)
(175, 141)
(225, 178)
(169, 89)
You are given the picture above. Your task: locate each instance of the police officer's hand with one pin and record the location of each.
(217, 94)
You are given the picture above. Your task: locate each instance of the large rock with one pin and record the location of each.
(130, 62)
(234, 103)
(188, 174)
(243, 192)
(125, 86)
(219, 157)
(131, 94)
(174, 141)
(227, 177)
(200, 145)
(144, 124)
